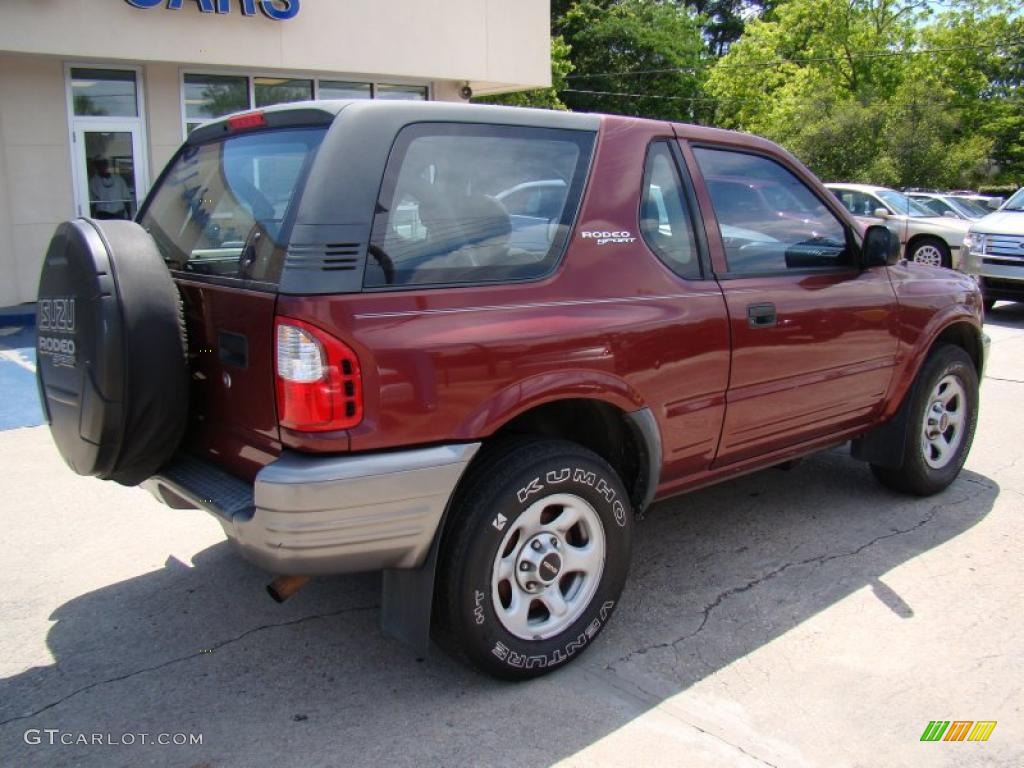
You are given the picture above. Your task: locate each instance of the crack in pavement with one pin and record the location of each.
(1011, 381)
(818, 560)
(204, 652)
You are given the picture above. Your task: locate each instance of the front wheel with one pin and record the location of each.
(940, 426)
(931, 251)
(534, 558)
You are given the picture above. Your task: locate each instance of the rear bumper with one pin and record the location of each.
(312, 515)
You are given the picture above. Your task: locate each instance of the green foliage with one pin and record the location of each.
(84, 105)
(611, 42)
(542, 98)
(824, 78)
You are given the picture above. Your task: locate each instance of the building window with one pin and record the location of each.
(211, 96)
(335, 89)
(281, 90)
(104, 92)
(401, 92)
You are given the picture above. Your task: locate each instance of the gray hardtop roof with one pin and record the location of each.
(410, 111)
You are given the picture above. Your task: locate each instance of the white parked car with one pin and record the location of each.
(925, 236)
(950, 206)
(994, 251)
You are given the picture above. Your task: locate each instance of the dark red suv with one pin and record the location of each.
(468, 345)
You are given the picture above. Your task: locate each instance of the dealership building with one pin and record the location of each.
(96, 95)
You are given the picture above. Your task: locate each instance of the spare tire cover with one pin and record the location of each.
(112, 368)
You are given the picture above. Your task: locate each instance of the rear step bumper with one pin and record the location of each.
(315, 515)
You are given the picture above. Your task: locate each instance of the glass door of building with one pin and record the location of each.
(110, 169)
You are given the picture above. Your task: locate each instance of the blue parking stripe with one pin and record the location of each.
(19, 397)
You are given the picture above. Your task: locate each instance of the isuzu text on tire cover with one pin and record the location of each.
(467, 346)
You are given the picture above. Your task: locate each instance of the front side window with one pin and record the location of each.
(220, 208)
(770, 221)
(666, 223)
(475, 203)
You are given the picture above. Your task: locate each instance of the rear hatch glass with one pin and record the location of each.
(222, 208)
(220, 216)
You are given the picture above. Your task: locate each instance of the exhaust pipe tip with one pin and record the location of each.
(283, 587)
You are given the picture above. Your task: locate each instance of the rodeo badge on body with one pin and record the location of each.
(608, 238)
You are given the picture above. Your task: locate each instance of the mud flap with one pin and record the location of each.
(884, 446)
(407, 599)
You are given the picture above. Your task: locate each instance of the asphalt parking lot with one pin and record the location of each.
(790, 618)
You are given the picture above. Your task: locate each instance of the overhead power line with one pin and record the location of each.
(808, 60)
(655, 96)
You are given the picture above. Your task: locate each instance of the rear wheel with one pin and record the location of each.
(534, 559)
(930, 250)
(940, 428)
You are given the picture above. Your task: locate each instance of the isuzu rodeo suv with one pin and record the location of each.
(469, 345)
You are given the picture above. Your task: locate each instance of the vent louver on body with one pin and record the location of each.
(329, 257)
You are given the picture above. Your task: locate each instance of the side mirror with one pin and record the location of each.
(881, 213)
(881, 248)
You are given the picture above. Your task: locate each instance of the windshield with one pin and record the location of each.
(221, 206)
(968, 208)
(934, 203)
(1016, 202)
(902, 204)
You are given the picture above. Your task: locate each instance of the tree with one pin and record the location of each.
(544, 98)
(725, 20)
(635, 57)
(879, 90)
(722, 21)
(985, 75)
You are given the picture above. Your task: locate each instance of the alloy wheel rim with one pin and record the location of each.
(548, 566)
(944, 422)
(928, 254)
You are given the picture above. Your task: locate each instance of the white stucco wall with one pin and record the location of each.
(495, 45)
(35, 169)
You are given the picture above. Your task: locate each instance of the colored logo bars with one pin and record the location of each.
(958, 730)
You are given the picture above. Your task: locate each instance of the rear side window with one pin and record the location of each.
(222, 206)
(475, 203)
(665, 220)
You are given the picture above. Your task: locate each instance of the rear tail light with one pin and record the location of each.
(319, 385)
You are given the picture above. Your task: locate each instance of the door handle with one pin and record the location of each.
(761, 316)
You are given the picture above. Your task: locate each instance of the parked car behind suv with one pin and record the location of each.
(925, 236)
(948, 205)
(328, 330)
(995, 251)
